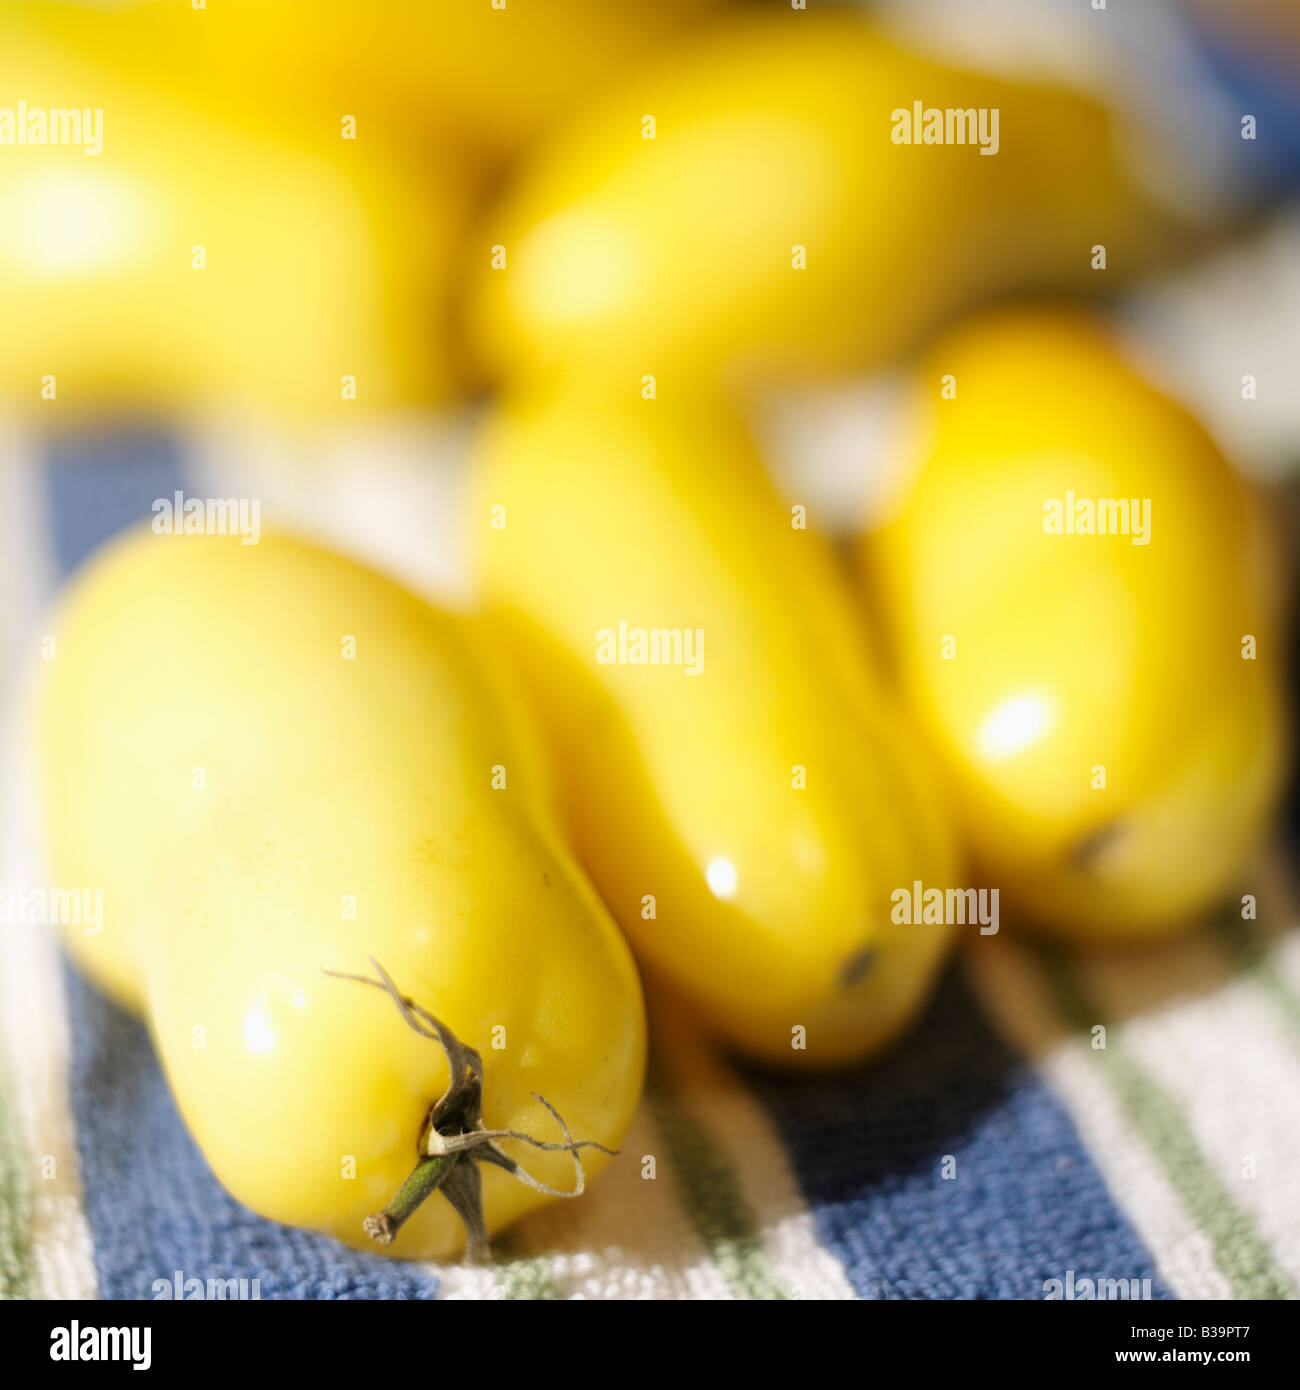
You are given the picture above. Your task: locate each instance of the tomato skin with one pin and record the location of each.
(1076, 653)
(770, 887)
(773, 228)
(215, 253)
(259, 809)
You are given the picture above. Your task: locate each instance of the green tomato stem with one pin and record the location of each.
(424, 1180)
(453, 1133)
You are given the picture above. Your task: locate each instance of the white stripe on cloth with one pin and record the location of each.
(389, 496)
(743, 1132)
(34, 1032)
(1016, 999)
(1219, 1047)
(1227, 1060)
(26, 570)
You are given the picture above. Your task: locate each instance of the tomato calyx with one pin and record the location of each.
(453, 1139)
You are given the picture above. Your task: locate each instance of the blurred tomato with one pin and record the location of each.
(747, 202)
(759, 785)
(188, 253)
(1084, 602)
(491, 76)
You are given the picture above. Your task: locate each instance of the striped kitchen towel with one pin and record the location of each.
(999, 1149)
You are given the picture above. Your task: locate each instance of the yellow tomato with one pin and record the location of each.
(769, 220)
(738, 785)
(1082, 599)
(189, 254)
(274, 763)
(492, 77)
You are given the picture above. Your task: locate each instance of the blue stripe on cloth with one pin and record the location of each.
(1026, 1204)
(1256, 77)
(151, 1201)
(100, 483)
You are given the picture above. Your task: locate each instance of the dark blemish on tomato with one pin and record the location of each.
(856, 967)
(1088, 852)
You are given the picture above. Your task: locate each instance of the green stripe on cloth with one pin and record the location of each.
(17, 1278)
(709, 1190)
(529, 1279)
(522, 1276)
(1243, 1257)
